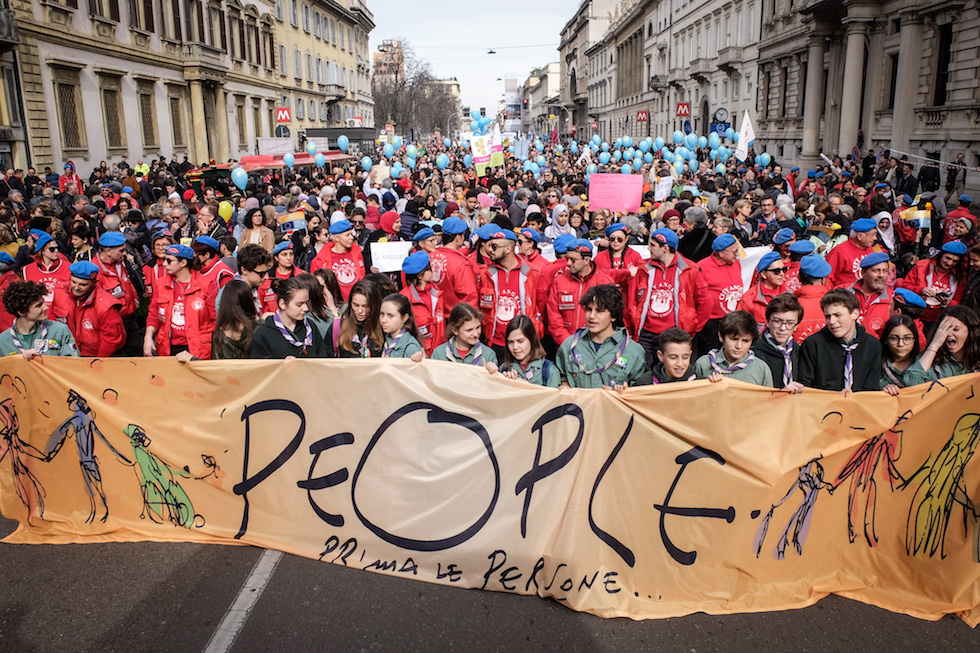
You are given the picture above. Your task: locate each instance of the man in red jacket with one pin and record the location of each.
(771, 270)
(662, 294)
(940, 280)
(213, 269)
(873, 296)
(845, 259)
(451, 271)
(91, 313)
(344, 257)
(552, 270)
(719, 287)
(508, 288)
(564, 314)
(114, 279)
(813, 275)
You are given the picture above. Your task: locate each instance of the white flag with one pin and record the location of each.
(745, 135)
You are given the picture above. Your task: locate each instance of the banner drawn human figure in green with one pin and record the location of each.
(164, 500)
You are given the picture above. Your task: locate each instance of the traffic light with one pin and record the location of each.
(483, 111)
(525, 104)
(466, 111)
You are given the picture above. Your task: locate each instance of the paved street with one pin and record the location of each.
(172, 597)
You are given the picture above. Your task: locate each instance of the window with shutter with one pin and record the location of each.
(147, 116)
(68, 94)
(223, 28)
(176, 121)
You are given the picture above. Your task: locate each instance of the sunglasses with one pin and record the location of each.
(617, 239)
(777, 270)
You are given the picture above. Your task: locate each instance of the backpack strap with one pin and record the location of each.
(335, 329)
(546, 370)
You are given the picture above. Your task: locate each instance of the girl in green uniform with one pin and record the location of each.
(899, 349)
(464, 327)
(954, 349)
(401, 333)
(524, 358)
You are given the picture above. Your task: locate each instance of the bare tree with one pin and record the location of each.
(408, 95)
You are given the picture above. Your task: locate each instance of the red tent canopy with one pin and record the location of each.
(254, 162)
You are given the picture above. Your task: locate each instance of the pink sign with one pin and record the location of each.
(617, 192)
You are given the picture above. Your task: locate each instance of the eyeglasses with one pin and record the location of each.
(777, 270)
(495, 247)
(905, 340)
(618, 239)
(358, 223)
(263, 273)
(776, 322)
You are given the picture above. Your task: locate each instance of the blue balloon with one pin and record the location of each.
(559, 148)
(388, 150)
(627, 141)
(535, 168)
(527, 165)
(596, 139)
(343, 143)
(467, 160)
(765, 159)
(411, 163)
(605, 147)
(668, 155)
(691, 141)
(592, 168)
(735, 137)
(630, 153)
(720, 168)
(678, 137)
(658, 143)
(475, 114)
(679, 166)
(367, 163)
(637, 164)
(510, 148)
(573, 147)
(239, 177)
(289, 160)
(475, 127)
(540, 160)
(723, 155)
(752, 142)
(442, 161)
(465, 144)
(320, 160)
(396, 170)
(644, 147)
(539, 146)
(397, 142)
(593, 147)
(713, 155)
(311, 148)
(411, 151)
(617, 155)
(447, 142)
(604, 158)
(729, 133)
(626, 169)
(714, 141)
(702, 142)
(648, 158)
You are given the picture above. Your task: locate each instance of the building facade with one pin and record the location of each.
(539, 94)
(578, 35)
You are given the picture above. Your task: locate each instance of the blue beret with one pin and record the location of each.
(533, 234)
(180, 251)
(864, 225)
(84, 270)
(616, 226)
(422, 234)
(966, 199)
(340, 227)
(846, 175)
(127, 189)
(766, 261)
(41, 239)
(582, 246)
(415, 263)
(112, 239)
(209, 241)
(802, 247)
(286, 244)
(665, 237)
(37, 233)
(955, 247)
(454, 226)
(783, 236)
(741, 171)
(483, 233)
(723, 241)
(820, 175)
(909, 298)
(7, 259)
(873, 259)
(907, 199)
(562, 242)
(811, 174)
(495, 232)
(814, 266)
(877, 186)
(795, 169)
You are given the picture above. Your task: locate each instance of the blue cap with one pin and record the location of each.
(84, 270)
(286, 244)
(723, 241)
(820, 175)
(907, 297)
(665, 237)
(783, 236)
(766, 261)
(811, 174)
(741, 171)
(582, 246)
(340, 227)
(907, 199)
(483, 233)
(966, 199)
(864, 225)
(882, 185)
(41, 238)
(422, 234)
(415, 263)
(813, 265)
(955, 247)
(533, 234)
(180, 251)
(453, 226)
(112, 239)
(617, 226)
(498, 232)
(127, 189)
(209, 241)
(802, 247)
(846, 175)
(873, 259)
(795, 169)
(7, 259)
(562, 242)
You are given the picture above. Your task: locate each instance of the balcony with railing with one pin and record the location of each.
(657, 81)
(700, 68)
(729, 57)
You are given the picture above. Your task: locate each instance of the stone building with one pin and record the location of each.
(578, 35)
(538, 100)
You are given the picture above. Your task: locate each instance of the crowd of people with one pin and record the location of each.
(870, 280)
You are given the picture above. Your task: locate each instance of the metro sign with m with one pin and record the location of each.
(282, 114)
(642, 116)
(683, 109)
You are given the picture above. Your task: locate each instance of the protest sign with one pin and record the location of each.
(668, 500)
(662, 190)
(388, 256)
(617, 192)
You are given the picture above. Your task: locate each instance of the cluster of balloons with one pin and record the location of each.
(480, 124)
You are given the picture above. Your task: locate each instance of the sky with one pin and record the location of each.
(455, 37)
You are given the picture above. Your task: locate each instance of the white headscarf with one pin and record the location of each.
(887, 235)
(553, 230)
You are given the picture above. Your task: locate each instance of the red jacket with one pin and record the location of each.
(756, 300)
(875, 309)
(199, 315)
(631, 258)
(6, 319)
(546, 278)
(57, 276)
(813, 319)
(348, 267)
(536, 261)
(949, 224)
(719, 287)
(451, 271)
(219, 273)
(115, 281)
(527, 304)
(93, 320)
(151, 273)
(564, 315)
(924, 275)
(665, 295)
(429, 318)
(845, 263)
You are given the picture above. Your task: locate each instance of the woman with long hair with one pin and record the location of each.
(317, 315)
(235, 324)
(900, 348)
(954, 348)
(425, 299)
(524, 357)
(359, 334)
(333, 297)
(181, 314)
(288, 333)
(464, 327)
(401, 333)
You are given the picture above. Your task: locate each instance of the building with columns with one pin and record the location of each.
(900, 74)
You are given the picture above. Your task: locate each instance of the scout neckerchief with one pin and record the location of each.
(477, 353)
(889, 373)
(42, 337)
(389, 349)
(307, 339)
(527, 374)
(577, 357)
(787, 351)
(713, 359)
(849, 364)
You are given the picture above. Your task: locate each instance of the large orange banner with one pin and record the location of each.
(665, 501)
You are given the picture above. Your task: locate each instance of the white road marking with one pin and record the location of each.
(234, 620)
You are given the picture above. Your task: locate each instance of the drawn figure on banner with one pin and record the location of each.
(809, 482)
(82, 425)
(163, 498)
(26, 484)
(932, 505)
(861, 468)
(214, 472)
